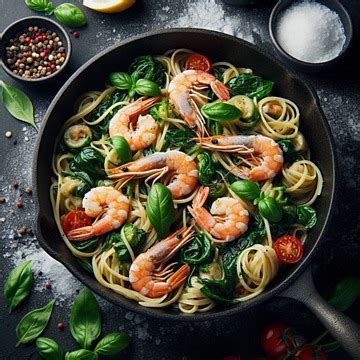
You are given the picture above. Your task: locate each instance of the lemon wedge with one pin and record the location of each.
(108, 6)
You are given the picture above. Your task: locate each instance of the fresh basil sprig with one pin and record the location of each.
(40, 5)
(112, 343)
(122, 149)
(81, 354)
(33, 324)
(49, 349)
(18, 285)
(85, 319)
(160, 209)
(70, 15)
(124, 81)
(220, 111)
(17, 104)
(345, 293)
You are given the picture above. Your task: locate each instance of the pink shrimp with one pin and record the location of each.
(139, 131)
(106, 202)
(148, 273)
(227, 219)
(180, 89)
(180, 169)
(264, 158)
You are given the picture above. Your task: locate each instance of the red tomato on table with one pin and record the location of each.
(198, 62)
(74, 220)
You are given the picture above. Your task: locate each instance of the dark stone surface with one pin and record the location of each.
(339, 92)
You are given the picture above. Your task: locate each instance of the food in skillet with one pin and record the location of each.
(185, 183)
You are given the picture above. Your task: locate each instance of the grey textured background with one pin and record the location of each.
(339, 92)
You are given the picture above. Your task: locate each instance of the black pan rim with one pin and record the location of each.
(225, 312)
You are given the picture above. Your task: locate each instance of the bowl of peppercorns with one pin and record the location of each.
(34, 49)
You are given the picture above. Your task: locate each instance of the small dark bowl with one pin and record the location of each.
(22, 24)
(334, 5)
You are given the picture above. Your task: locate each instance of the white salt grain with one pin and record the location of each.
(310, 32)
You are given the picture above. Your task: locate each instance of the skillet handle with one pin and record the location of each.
(342, 328)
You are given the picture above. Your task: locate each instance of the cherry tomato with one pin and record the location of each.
(309, 352)
(289, 249)
(277, 340)
(75, 219)
(198, 62)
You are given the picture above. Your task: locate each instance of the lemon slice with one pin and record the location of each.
(108, 6)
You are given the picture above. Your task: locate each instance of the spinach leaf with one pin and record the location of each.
(49, 349)
(160, 209)
(250, 85)
(223, 290)
(85, 319)
(40, 5)
(86, 265)
(88, 244)
(135, 237)
(70, 15)
(89, 161)
(17, 104)
(33, 324)
(147, 67)
(112, 343)
(304, 215)
(81, 354)
(345, 293)
(289, 152)
(180, 138)
(198, 251)
(206, 166)
(18, 285)
(86, 182)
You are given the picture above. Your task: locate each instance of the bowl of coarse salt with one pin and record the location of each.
(310, 35)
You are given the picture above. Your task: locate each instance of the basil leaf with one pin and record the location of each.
(33, 324)
(85, 319)
(49, 349)
(40, 5)
(246, 189)
(220, 111)
(160, 209)
(270, 209)
(122, 149)
(121, 80)
(17, 104)
(70, 15)
(112, 343)
(345, 293)
(18, 285)
(81, 354)
(88, 244)
(147, 88)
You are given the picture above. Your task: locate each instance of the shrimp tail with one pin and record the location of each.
(220, 90)
(81, 234)
(179, 276)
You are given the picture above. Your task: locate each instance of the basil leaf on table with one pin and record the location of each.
(33, 324)
(85, 319)
(18, 104)
(18, 285)
(112, 343)
(49, 349)
(81, 354)
(70, 15)
(121, 80)
(147, 88)
(220, 111)
(345, 293)
(40, 5)
(160, 209)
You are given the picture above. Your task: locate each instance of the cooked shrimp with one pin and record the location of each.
(141, 133)
(264, 156)
(148, 273)
(180, 89)
(180, 169)
(107, 203)
(227, 219)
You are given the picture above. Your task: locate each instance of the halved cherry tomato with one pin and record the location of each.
(277, 340)
(75, 219)
(309, 352)
(198, 62)
(289, 249)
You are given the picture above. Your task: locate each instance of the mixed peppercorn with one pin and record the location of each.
(35, 53)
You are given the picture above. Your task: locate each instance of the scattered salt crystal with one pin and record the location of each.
(310, 32)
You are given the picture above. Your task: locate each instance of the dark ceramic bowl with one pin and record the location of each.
(334, 5)
(22, 24)
(94, 74)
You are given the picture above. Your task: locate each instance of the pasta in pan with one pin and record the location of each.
(184, 183)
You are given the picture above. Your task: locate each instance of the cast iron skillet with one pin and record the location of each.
(94, 75)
